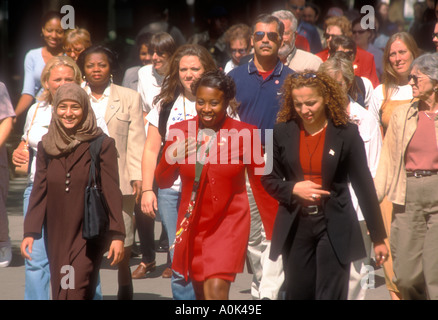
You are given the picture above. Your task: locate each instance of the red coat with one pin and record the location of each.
(363, 64)
(216, 240)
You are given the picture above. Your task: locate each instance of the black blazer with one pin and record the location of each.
(343, 160)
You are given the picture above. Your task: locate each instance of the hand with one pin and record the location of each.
(149, 203)
(136, 190)
(180, 150)
(381, 252)
(26, 243)
(116, 251)
(309, 191)
(20, 155)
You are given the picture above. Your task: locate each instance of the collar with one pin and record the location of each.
(413, 109)
(106, 92)
(291, 55)
(276, 73)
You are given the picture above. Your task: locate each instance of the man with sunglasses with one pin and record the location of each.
(293, 57)
(258, 90)
(305, 29)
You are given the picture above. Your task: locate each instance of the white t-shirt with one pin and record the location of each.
(402, 93)
(39, 127)
(99, 107)
(149, 86)
(369, 130)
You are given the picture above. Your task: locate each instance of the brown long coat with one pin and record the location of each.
(57, 202)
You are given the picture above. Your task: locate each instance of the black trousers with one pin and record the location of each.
(146, 234)
(311, 267)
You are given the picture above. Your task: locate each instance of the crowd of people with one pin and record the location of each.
(307, 151)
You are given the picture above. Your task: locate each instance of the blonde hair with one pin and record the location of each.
(342, 22)
(77, 35)
(55, 62)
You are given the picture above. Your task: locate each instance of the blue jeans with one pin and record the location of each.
(168, 203)
(37, 272)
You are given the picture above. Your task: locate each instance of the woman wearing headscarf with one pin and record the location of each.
(57, 199)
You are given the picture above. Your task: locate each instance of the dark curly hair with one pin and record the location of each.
(334, 98)
(217, 79)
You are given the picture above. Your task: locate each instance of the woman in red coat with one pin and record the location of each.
(57, 198)
(211, 245)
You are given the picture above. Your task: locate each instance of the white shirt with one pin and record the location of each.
(149, 86)
(99, 106)
(401, 93)
(369, 130)
(39, 127)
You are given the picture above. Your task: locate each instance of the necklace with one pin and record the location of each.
(427, 115)
(314, 150)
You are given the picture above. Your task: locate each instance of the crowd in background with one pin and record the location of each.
(328, 87)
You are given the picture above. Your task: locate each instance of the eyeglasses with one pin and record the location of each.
(414, 78)
(308, 75)
(260, 35)
(70, 50)
(328, 35)
(434, 35)
(294, 7)
(240, 51)
(359, 31)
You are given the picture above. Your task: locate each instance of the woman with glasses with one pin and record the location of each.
(76, 41)
(400, 51)
(316, 152)
(407, 175)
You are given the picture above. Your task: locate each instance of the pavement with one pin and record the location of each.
(153, 287)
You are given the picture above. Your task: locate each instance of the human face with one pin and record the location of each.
(296, 7)
(435, 36)
(400, 58)
(266, 47)
(331, 31)
(422, 86)
(190, 69)
(211, 107)
(53, 33)
(59, 76)
(239, 48)
(159, 61)
(360, 36)
(288, 35)
(349, 52)
(97, 69)
(70, 113)
(144, 55)
(309, 15)
(74, 50)
(310, 107)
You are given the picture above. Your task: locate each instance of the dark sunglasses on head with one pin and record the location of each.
(260, 35)
(308, 75)
(359, 31)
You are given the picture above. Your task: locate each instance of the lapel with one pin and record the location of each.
(332, 150)
(75, 156)
(113, 104)
(292, 149)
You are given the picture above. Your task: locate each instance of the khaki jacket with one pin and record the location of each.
(124, 119)
(390, 178)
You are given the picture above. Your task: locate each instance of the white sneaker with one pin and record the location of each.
(5, 256)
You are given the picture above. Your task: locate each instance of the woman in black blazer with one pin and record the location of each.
(316, 151)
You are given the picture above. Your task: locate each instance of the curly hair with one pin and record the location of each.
(342, 22)
(172, 87)
(335, 99)
(217, 79)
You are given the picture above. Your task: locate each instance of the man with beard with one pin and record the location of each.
(258, 90)
(296, 59)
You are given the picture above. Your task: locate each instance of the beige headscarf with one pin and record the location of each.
(59, 141)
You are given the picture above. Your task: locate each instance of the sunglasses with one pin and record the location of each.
(328, 35)
(308, 75)
(359, 31)
(434, 35)
(414, 78)
(240, 51)
(260, 35)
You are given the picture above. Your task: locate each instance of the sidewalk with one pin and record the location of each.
(154, 287)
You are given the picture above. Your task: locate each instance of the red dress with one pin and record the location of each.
(215, 243)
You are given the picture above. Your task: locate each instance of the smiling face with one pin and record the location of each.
(70, 113)
(211, 107)
(97, 69)
(400, 58)
(310, 107)
(53, 33)
(190, 69)
(58, 76)
(159, 61)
